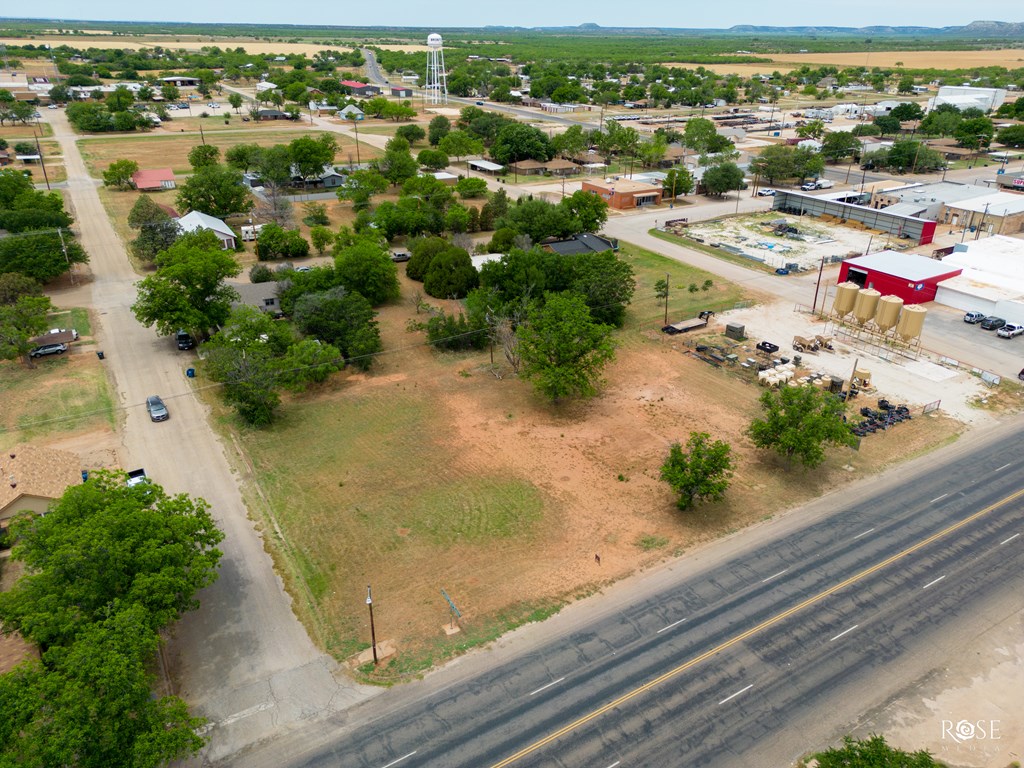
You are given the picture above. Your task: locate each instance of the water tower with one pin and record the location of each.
(437, 78)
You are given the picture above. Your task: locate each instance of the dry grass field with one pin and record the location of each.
(430, 472)
(191, 43)
(153, 150)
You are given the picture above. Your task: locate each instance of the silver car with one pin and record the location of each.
(157, 409)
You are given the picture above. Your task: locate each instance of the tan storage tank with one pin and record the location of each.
(911, 322)
(888, 312)
(846, 295)
(865, 305)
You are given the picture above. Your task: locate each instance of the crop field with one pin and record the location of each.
(432, 473)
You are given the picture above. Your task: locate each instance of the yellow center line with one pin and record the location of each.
(750, 632)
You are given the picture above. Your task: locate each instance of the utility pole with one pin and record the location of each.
(42, 163)
(373, 634)
(821, 268)
(63, 247)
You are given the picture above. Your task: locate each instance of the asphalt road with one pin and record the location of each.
(748, 653)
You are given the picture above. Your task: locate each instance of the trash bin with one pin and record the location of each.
(99, 353)
(85, 475)
(190, 372)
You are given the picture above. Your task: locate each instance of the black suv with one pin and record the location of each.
(992, 323)
(184, 340)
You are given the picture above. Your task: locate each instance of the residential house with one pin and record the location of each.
(5, 157)
(263, 296)
(351, 112)
(328, 178)
(195, 221)
(34, 477)
(153, 180)
(322, 109)
(272, 114)
(361, 89)
(582, 243)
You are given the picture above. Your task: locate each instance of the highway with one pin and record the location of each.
(747, 653)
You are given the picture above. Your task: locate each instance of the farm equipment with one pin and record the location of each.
(824, 342)
(801, 344)
(886, 416)
(767, 348)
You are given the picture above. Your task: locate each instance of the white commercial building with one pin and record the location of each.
(992, 280)
(963, 96)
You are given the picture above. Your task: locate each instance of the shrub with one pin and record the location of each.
(260, 273)
(454, 334)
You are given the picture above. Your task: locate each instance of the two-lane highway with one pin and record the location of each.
(765, 652)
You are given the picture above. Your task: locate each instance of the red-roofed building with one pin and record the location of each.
(153, 180)
(361, 89)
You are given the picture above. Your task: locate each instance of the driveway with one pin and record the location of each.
(242, 660)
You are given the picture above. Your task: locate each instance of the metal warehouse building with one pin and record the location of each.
(915, 279)
(920, 231)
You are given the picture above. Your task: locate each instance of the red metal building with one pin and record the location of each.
(913, 278)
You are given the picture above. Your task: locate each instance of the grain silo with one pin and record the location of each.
(911, 322)
(888, 312)
(865, 305)
(846, 295)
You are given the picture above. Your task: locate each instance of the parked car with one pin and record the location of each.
(992, 323)
(399, 256)
(53, 106)
(184, 340)
(766, 192)
(157, 409)
(1010, 330)
(479, 103)
(48, 349)
(809, 186)
(974, 317)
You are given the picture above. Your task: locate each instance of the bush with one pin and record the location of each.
(451, 275)
(260, 273)
(454, 334)
(277, 243)
(423, 250)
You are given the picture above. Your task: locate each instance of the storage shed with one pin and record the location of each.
(913, 278)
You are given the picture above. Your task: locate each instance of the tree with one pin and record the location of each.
(570, 143)
(411, 133)
(188, 289)
(120, 100)
(460, 144)
(216, 190)
(203, 155)
(908, 110)
(342, 318)
(20, 321)
(678, 181)
(974, 133)
(119, 174)
(322, 238)
(170, 92)
(471, 187)
(839, 145)
(157, 230)
(397, 164)
(438, 129)
(812, 129)
(367, 269)
(588, 210)
(43, 257)
(605, 282)
(275, 242)
(873, 752)
(701, 473)
(249, 381)
(451, 275)
(700, 135)
(131, 546)
(306, 362)
(719, 179)
(1012, 136)
(887, 124)
(563, 350)
(13, 286)
(310, 155)
(235, 100)
(433, 160)
(799, 422)
(243, 156)
(519, 141)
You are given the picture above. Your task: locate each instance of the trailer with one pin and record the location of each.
(688, 325)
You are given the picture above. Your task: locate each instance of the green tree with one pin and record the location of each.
(157, 230)
(216, 190)
(605, 282)
(451, 275)
(130, 546)
(974, 133)
(1012, 136)
(119, 174)
(702, 473)
(20, 321)
(678, 181)
(361, 187)
(873, 752)
(723, 178)
(812, 129)
(235, 100)
(799, 422)
(13, 286)
(343, 319)
(188, 289)
(588, 210)
(439, 128)
(250, 382)
(308, 362)
(563, 350)
(243, 156)
(322, 238)
(433, 159)
(366, 268)
(887, 124)
(460, 144)
(518, 141)
(570, 143)
(840, 145)
(120, 100)
(275, 242)
(311, 155)
(170, 92)
(471, 187)
(203, 155)
(43, 257)
(411, 133)
(908, 110)
(397, 164)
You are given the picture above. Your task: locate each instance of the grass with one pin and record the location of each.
(58, 396)
(160, 150)
(648, 543)
(23, 131)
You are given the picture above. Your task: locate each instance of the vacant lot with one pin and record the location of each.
(65, 397)
(431, 472)
(161, 151)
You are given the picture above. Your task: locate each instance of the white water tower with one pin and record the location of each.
(437, 78)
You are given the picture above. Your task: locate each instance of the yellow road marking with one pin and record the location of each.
(752, 631)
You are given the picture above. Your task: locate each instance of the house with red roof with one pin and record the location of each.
(361, 89)
(153, 180)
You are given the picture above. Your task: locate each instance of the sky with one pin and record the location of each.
(537, 13)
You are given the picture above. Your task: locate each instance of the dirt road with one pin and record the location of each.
(242, 660)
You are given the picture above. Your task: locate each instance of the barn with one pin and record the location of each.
(913, 278)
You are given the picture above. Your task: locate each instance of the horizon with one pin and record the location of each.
(533, 14)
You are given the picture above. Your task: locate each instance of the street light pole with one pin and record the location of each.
(373, 634)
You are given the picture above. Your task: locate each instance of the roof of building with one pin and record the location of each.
(33, 470)
(194, 220)
(998, 255)
(152, 178)
(623, 185)
(582, 243)
(357, 84)
(993, 203)
(939, 191)
(486, 165)
(528, 165)
(908, 266)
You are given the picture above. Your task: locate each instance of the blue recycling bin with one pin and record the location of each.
(190, 372)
